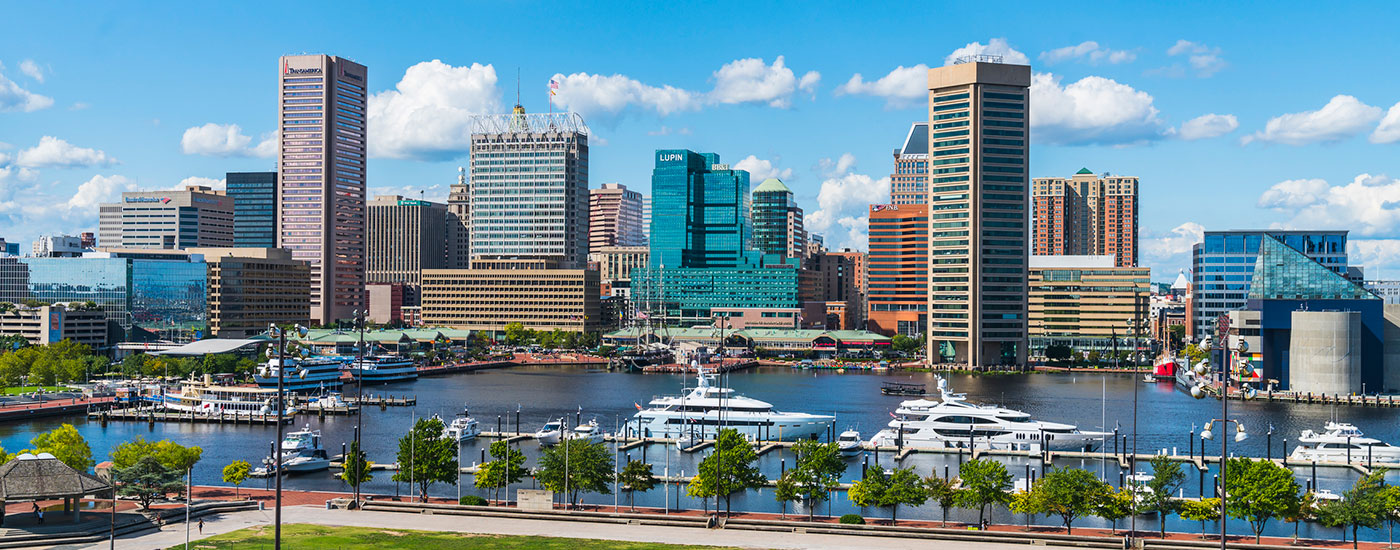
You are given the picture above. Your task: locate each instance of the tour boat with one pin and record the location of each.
(587, 432)
(550, 433)
(703, 410)
(383, 369)
(321, 374)
(461, 428)
(849, 443)
(1342, 442)
(205, 398)
(952, 422)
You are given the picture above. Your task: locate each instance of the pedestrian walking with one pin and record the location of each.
(41, 516)
(201, 526)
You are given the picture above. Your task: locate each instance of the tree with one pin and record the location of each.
(636, 476)
(65, 444)
(506, 467)
(1024, 503)
(729, 469)
(1392, 508)
(148, 480)
(1364, 505)
(870, 489)
(905, 488)
(355, 469)
(1115, 505)
(236, 473)
(1305, 509)
(1069, 493)
(575, 467)
(170, 454)
(517, 334)
(1257, 491)
(985, 483)
(1166, 478)
(425, 457)
(944, 492)
(1058, 352)
(5, 456)
(905, 344)
(816, 472)
(1203, 510)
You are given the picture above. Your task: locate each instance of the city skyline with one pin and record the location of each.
(1301, 153)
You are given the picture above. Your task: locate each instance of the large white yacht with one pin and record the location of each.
(1338, 441)
(952, 422)
(702, 410)
(301, 452)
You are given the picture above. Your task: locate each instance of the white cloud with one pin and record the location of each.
(1381, 257)
(1207, 126)
(751, 80)
(13, 97)
(808, 82)
(1203, 59)
(667, 130)
(52, 152)
(428, 113)
(95, 191)
(78, 106)
(1342, 117)
(1368, 205)
(434, 193)
(1088, 51)
(32, 69)
(1172, 249)
(995, 46)
(1389, 129)
(843, 204)
(762, 169)
(200, 180)
(1092, 110)
(594, 95)
(902, 87)
(220, 140)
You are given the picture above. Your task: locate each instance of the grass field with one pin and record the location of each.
(307, 537)
(28, 389)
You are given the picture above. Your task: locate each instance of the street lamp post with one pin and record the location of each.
(276, 332)
(359, 320)
(1222, 344)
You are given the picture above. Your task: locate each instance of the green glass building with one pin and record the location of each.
(777, 220)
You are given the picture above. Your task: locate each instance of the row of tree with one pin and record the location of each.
(517, 335)
(58, 363)
(147, 470)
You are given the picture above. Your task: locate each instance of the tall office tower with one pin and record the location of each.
(406, 236)
(254, 208)
(1222, 268)
(978, 195)
(459, 223)
(701, 243)
(777, 221)
(646, 220)
(1086, 215)
(614, 217)
(897, 295)
(909, 182)
(321, 178)
(193, 216)
(530, 187)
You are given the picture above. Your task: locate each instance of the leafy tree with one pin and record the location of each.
(636, 476)
(1167, 476)
(236, 473)
(65, 444)
(729, 469)
(5, 456)
(425, 457)
(355, 468)
(905, 344)
(1364, 505)
(870, 489)
(1069, 493)
(944, 492)
(1392, 508)
(1115, 505)
(517, 334)
(905, 488)
(1196, 354)
(1257, 491)
(1058, 352)
(1026, 504)
(1094, 356)
(815, 473)
(1305, 509)
(506, 467)
(575, 467)
(148, 480)
(1203, 510)
(788, 489)
(170, 454)
(1175, 334)
(985, 483)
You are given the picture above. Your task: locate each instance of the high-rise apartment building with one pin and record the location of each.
(978, 211)
(254, 197)
(321, 177)
(529, 187)
(193, 216)
(897, 287)
(406, 236)
(1086, 215)
(459, 222)
(1222, 267)
(614, 217)
(909, 182)
(777, 221)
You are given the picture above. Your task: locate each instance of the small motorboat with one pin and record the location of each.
(849, 443)
(550, 433)
(462, 428)
(588, 432)
(301, 452)
(1324, 496)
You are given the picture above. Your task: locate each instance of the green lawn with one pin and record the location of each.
(29, 389)
(302, 536)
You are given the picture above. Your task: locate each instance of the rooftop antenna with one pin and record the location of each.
(517, 85)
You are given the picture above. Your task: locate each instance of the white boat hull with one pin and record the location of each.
(770, 427)
(547, 439)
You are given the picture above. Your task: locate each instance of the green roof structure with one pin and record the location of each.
(1282, 273)
(771, 185)
(1083, 171)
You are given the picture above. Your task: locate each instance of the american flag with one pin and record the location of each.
(553, 85)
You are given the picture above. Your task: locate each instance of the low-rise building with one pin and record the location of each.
(1085, 302)
(56, 323)
(499, 292)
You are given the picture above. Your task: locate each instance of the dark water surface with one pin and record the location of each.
(1164, 418)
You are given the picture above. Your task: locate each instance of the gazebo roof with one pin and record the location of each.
(42, 477)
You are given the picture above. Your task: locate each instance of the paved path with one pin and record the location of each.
(174, 535)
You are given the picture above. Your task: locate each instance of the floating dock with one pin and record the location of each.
(151, 415)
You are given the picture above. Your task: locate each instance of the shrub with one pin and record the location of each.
(852, 519)
(473, 500)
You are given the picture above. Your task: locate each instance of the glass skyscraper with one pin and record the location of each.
(777, 220)
(254, 208)
(162, 294)
(1222, 267)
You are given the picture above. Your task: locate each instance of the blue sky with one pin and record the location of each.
(1233, 115)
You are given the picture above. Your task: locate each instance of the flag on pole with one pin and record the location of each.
(553, 86)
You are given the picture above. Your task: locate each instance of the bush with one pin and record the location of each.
(472, 500)
(852, 519)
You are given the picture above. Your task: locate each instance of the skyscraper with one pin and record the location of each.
(614, 217)
(406, 236)
(254, 208)
(321, 177)
(459, 223)
(978, 189)
(898, 269)
(529, 187)
(193, 216)
(1087, 215)
(909, 182)
(777, 221)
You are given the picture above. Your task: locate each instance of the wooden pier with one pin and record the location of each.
(382, 401)
(151, 415)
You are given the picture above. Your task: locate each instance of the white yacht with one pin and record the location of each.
(1337, 441)
(952, 422)
(704, 409)
(849, 443)
(327, 401)
(587, 432)
(461, 428)
(550, 433)
(301, 452)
